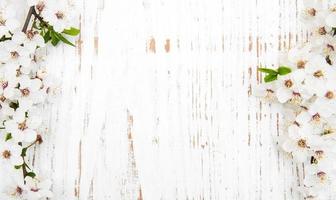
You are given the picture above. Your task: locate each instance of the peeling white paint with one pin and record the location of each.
(195, 132)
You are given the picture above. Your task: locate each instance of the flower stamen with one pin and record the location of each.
(6, 154)
(322, 31)
(22, 126)
(19, 190)
(288, 83)
(316, 117)
(329, 95)
(318, 74)
(40, 6)
(25, 92)
(14, 54)
(59, 15)
(322, 176)
(301, 64)
(302, 143)
(311, 12)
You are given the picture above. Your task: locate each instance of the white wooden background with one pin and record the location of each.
(157, 104)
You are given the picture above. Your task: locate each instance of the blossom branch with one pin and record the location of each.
(22, 98)
(305, 88)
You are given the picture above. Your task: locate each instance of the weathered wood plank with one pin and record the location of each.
(157, 104)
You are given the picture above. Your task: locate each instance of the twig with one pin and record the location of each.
(29, 15)
(24, 169)
(37, 16)
(25, 165)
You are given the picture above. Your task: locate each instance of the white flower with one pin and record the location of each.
(30, 90)
(12, 187)
(320, 182)
(52, 88)
(23, 128)
(322, 160)
(14, 54)
(8, 90)
(324, 107)
(10, 153)
(328, 129)
(58, 15)
(300, 140)
(30, 40)
(5, 111)
(8, 21)
(37, 64)
(313, 15)
(318, 73)
(38, 189)
(290, 87)
(331, 19)
(39, 4)
(265, 91)
(310, 119)
(299, 56)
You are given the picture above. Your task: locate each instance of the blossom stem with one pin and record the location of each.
(24, 168)
(25, 165)
(32, 144)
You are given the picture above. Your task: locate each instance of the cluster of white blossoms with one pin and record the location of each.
(59, 14)
(25, 88)
(305, 86)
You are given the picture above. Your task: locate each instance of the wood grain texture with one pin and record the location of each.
(156, 102)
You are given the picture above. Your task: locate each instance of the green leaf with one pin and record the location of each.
(31, 174)
(63, 39)
(47, 37)
(17, 166)
(270, 78)
(8, 137)
(54, 39)
(72, 31)
(283, 70)
(268, 71)
(24, 152)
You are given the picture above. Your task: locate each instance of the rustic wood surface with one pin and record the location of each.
(156, 102)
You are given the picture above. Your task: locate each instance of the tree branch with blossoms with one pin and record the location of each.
(304, 86)
(25, 88)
